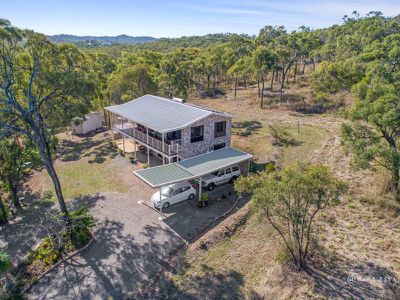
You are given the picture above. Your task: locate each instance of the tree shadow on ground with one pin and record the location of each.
(96, 150)
(350, 279)
(101, 153)
(114, 265)
(23, 233)
(75, 150)
(89, 201)
(245, 128)
(289, 142)
(209, 285)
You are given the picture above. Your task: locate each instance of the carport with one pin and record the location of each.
(194, 168)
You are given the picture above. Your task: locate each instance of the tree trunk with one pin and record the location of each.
(304, 67)
(396, 176)
(295, 71)
(235, 84)
(245, 82)
(47, 161)
(3, 212)
(258, 87)
(262, 93)
(313, 64)
(14, 194)
(282, 85)
(272, 80)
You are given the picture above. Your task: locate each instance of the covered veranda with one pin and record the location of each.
(194, 168)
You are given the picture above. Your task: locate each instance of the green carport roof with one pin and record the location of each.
(192, 167)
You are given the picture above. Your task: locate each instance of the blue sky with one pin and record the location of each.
(175, 18)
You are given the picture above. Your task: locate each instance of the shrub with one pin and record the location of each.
(270, 167)
(5, 262)
(46, 253)
(280, 134)
(81, 224)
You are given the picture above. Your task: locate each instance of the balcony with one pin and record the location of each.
(171, 148)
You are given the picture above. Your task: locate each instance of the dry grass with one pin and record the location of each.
(358, 238)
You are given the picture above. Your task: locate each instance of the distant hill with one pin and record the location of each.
(101, 40)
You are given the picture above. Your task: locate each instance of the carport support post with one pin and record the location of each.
(200, 187)
(161, 204)
(148, 149)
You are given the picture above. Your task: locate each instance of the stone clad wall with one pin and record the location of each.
(190, 150)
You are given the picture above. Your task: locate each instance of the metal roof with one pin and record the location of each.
(192, 167)
(162, 114)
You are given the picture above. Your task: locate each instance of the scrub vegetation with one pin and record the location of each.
(318, 109)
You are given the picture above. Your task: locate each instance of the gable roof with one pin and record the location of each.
(162, 114)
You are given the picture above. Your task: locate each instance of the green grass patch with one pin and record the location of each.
(261, 144)
(93, 171)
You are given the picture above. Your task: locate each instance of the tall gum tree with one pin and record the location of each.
(42, 86)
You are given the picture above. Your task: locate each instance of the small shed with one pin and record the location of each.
(89, 123)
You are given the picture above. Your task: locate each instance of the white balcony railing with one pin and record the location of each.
(171, 149)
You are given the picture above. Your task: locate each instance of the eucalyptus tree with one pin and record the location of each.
(263, 62)
(373, 136)
(269, 33)
(290, 200)
(17, 156)
(42, 86)
(175, 73)
(368, 67)
(129, 82)
(287, 51)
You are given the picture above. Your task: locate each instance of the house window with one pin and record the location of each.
(174, 135)
(219, 129)
(196, 134)
(219, 146)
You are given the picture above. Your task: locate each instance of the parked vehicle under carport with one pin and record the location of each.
(172, 194)
(230, 174)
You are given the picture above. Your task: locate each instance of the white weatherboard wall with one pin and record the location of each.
(92, 122)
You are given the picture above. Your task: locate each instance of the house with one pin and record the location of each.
(169, 128)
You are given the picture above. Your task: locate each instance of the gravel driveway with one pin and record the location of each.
(131, 245)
